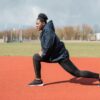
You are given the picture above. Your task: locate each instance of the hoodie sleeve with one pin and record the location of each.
(47, 45)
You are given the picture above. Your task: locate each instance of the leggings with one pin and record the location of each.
(66, 64)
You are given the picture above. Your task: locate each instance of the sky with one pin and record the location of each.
(62, 12)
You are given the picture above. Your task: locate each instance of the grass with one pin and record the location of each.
(84, 49)
(76, 49)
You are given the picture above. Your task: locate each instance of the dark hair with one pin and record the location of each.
(42, 17)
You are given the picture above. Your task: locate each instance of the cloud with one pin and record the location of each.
(35, 11)
(66, 12)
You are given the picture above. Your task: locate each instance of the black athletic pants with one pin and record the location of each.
(66, 64)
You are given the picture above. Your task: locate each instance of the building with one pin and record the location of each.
(97, 36)
(1, 40)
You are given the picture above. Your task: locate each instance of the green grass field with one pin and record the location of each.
(76, 49)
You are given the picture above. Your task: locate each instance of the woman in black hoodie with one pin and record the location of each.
(54, 51)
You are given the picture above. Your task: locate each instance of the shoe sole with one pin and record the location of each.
(37, 85)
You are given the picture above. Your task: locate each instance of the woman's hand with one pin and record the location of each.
(40, 53)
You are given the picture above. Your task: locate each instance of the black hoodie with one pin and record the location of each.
(53, 49)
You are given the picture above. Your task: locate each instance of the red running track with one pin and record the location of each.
(17, 72)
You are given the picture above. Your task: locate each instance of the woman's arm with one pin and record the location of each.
(48, 44)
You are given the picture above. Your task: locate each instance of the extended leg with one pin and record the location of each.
(72, 69)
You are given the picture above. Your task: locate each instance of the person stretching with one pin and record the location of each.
(54, 51)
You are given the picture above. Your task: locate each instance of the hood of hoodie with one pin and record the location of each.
(49, 26)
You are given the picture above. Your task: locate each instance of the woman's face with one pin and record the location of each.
(39, 25)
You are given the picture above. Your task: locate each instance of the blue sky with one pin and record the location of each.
(62, 12)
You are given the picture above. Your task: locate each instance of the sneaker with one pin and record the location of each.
(36, 83)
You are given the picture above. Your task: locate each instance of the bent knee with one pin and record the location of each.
(36, 57)
(80, 73)
(77, 73)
